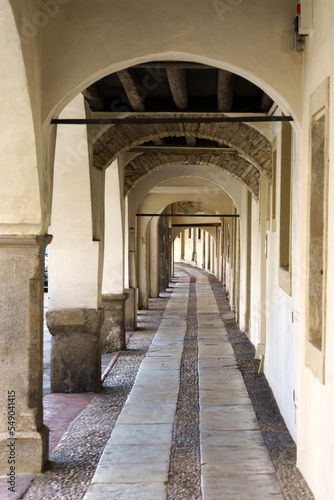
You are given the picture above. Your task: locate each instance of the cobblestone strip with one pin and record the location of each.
(74, 460)
(281, 447)
(184, 481)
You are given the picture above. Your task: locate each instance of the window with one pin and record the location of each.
(189, 233)
(199, 233)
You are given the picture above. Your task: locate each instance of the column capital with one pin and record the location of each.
(107, 298)
(25, 240)
(70, 321)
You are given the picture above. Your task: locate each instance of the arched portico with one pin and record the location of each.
(57, 81)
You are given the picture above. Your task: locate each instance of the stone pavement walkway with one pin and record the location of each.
(234, 460)
(135, 462)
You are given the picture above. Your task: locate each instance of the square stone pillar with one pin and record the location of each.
(113, 329)
(76, 350)
(131, 310)
(21, 353)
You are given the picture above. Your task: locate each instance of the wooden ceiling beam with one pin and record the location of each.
(225, 90)
(191, 141)
(94, 97)
(178, 86)
(131, 84)
(266, 102)
(158, 141)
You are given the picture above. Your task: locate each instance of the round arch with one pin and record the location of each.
(218, 177)
(213, 36)
(145, 164)
(250, 143)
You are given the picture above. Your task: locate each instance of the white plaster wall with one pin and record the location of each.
(73, 256)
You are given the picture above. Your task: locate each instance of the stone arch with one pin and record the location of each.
(205, 230)
(249, 142)
(219, 177)
(145, 164)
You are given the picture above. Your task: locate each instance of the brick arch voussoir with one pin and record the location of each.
(245, 139)
(145, 165)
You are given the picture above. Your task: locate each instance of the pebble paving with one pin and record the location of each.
(184, 480)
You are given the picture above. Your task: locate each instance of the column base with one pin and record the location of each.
(76, 350)
(260, 350)
(29, 450)
(113, 329)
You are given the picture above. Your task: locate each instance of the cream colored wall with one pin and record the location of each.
(315, 400)
(159, 32)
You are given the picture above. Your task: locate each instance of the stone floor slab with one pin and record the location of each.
(229, 439)
(135, 454)
(236, 460)
(148, 414)
(131, 473)
(223, 398)
(151, 491)
(242, 487)
(141, 434)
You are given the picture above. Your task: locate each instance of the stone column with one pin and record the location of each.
(194, 255)
(163, 258)
(204, 248)
(74, 317)
(131, 303)
(154, 258)
(21, 351)
(209, 253)
(76, 350)
(142, 249)
(182, 245)
(113, 329)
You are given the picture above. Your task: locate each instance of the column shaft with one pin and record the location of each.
(21, 352)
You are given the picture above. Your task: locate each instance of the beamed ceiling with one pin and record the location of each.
(176, 86)
(179, 89)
